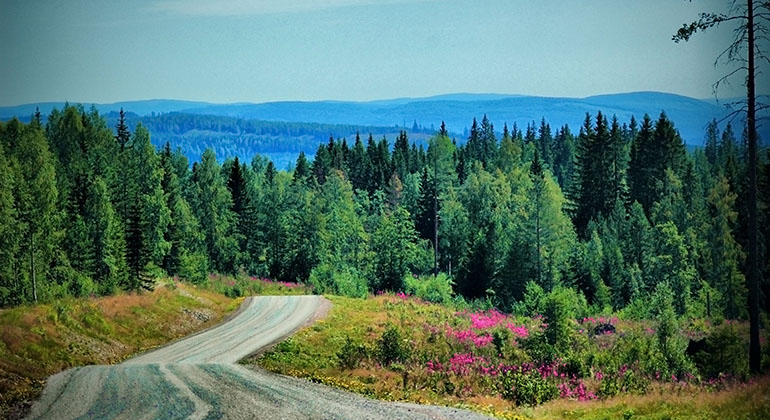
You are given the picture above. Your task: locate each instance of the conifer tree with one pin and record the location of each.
(105, 238)
(302, 169)
(36, 200)
(723, 273)
(213, 206)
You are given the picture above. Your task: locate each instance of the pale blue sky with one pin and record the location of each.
(271, 50)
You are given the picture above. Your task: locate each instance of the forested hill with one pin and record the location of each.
(280, 141)
(457, 110)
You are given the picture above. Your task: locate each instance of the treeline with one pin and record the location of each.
(229, 136)
(613, 212)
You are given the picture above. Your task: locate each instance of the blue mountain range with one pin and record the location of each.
(689, 115)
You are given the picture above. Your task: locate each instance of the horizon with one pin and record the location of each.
(351, 50)
(400, 98)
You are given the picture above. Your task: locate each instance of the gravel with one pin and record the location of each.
(198, 378)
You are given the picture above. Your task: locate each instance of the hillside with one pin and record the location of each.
(458, 110)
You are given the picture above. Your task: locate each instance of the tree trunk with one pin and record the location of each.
(752, 276)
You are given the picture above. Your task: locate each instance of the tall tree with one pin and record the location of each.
(752, 19)
(36, 201)
(213, 206)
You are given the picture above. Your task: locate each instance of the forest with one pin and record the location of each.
(616, 213)
(228, 136)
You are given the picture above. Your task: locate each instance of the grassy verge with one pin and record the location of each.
(242, 285)
(37, 341)
(399, 348)
(749, 401)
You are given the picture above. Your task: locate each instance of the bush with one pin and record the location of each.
(75, 283)
(436, 289)
(724, 353)
(193, 268)
(627, 381)
(390, 347)
(351, 354)
(559, 314)
(670, 342)
(526, 388)
(344, 281)
(534, 300)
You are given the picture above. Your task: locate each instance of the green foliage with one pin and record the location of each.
(559, 315)
(343, 281)
(534, 300)
(351, 354)
(724, 353)
(670, 342)
(526, 388)
(436, 289)
(391, 348)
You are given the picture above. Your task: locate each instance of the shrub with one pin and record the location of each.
(624, 381)
(390, 347)
(436, 289)
(534, 300)
(559, 312)
(526, 388)
(351, 354)
(670, 342)
(193, 268)
(724, 353)
(344, 280)
(500, 339)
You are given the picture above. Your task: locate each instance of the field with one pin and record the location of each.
(396, 347)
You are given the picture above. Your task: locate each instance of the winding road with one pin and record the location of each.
(198, 378)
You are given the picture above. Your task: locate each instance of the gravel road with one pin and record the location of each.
(198, 378)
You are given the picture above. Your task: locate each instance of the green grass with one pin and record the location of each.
(37, 341)
(322, 353)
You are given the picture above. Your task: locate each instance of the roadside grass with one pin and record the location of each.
(749, 401)
(37, 341)
(243, 285)
(442, 355)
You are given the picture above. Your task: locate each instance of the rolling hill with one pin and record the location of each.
(296, 126)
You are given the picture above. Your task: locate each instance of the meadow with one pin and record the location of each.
(402, 348)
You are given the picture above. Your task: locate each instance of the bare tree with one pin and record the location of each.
(749, 36)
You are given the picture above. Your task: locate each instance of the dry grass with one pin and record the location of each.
(37, 341)
(744, 401)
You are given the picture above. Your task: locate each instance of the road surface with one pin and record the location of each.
(198, 378)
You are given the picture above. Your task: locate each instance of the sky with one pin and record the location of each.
(277, 50)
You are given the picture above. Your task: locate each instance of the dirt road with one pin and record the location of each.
(197, 378)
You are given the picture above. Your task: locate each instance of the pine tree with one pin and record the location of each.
(322, 164)
(36, 200)
(401, 161)
(394, 249)
(564, 158)
(359, 165)
(213, 206)
(425, 215)
(122, 135)
(10, 227)
(711, 146)
(594, 189)
(545, 144)
(723, 273)
(105, 238)
(302, 168)
(653, 152)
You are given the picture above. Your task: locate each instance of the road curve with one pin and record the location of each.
(197, 378)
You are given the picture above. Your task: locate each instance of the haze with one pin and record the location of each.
(271, 50)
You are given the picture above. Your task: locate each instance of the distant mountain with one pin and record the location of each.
(458, 110)
(146, 107)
